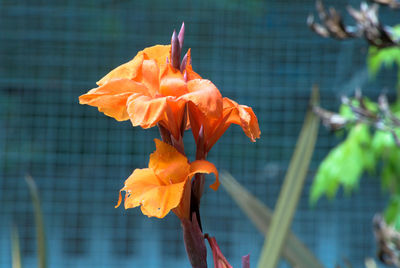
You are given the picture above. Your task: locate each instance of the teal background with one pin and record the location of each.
(259, 53)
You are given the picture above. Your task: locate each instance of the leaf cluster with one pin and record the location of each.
(364, 150)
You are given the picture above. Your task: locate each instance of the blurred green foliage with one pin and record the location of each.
(386, 57)
(345, 164)
(363, 150)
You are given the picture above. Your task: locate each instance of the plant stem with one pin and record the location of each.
(194, 242)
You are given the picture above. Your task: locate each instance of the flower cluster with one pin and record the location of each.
(157, 88)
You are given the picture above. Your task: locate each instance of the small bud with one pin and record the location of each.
(185, 76)
(246, 261)
(181, 35)
(184, 62)
(175, 51)
(200, 150)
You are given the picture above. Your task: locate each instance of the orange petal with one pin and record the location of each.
(168, 164)
(213, 127)
(145, 111)
(119, 199)
(174, 116)
(159, 53)
(172, 82)
(183, 209)
(204, 94)
(243, 116)
(196, 120)
(203, 166)
(127, 70)
(143, 188)
(132, 69)
(190, 74)
(111, 98)
(218, 129)
(150, 76)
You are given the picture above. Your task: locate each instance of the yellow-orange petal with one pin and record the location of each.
(143, 188)
(243, 116)
(203, 166)
(206, 97)
(128, 70)
(168, 164)
(111, 98)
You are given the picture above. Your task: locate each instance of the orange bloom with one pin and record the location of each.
(165, 184)
(148, 90)
(213, 128)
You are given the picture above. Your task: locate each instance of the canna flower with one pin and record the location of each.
(165, 184)
(150, 90)
(207, 130)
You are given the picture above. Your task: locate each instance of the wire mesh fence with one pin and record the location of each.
(260, 53)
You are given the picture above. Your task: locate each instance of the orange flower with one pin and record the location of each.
(165, 184)
(213, 128)
(148, 90)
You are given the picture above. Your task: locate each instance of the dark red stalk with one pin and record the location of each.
(194, 243)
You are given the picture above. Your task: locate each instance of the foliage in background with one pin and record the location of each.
(365, 149)
(15, 248)
(280, 241)
(294, 250)
(40, 232)
(387, 58)
(292, 187)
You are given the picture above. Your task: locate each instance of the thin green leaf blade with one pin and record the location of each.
(15, 248)
(291, 190)
(294, 251)
(40, 233)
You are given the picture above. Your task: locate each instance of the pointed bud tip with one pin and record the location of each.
(183, 63)
(181, 35)
(173, 37)
(175, 51)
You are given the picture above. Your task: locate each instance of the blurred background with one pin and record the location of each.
(259, 53)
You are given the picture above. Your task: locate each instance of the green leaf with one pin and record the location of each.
(294, 251)
(385, 57)
(40, 234)
(371, 105)
(291, 190)
(392, 210)
(346, 112)
(381, 141)
(16, 251)
(344, 164)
